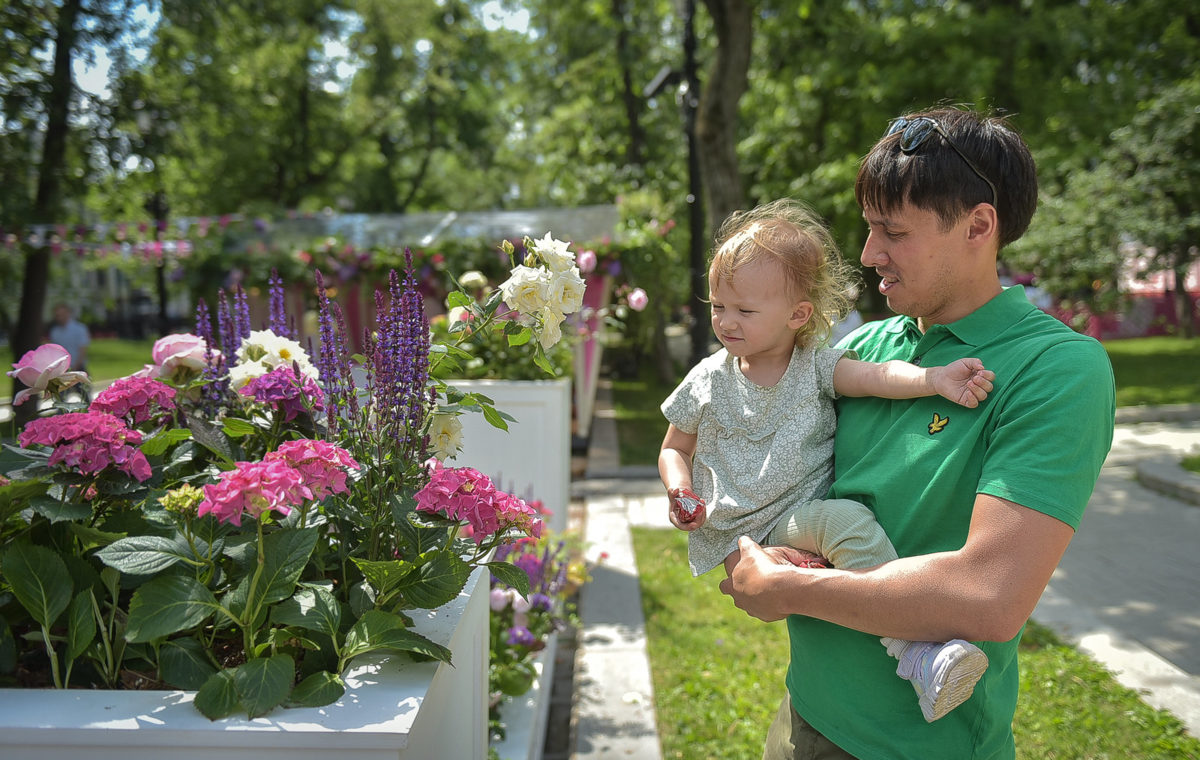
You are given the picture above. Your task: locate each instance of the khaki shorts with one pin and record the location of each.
(792, 738)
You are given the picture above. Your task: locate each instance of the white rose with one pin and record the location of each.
(445, 435)
(551, 331)
(555, 253)
(473, 280)
(525, 290)
(564, 293)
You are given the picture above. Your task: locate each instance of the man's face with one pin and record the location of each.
(62, 315)
(919, 264)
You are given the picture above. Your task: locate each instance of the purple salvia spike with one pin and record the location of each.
(225, 326)
(241, 314)
(278, 306)
(341, 356)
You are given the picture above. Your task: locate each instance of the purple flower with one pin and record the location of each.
(520, 636)
(540, 601)
(278, 305)
(282, 390)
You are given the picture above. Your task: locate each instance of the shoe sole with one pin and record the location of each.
(959, 685)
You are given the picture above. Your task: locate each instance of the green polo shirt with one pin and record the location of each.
(1039, 440)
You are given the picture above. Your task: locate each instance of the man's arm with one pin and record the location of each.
(984, 591)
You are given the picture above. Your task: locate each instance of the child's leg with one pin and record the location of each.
(843, 531)
(846, 533)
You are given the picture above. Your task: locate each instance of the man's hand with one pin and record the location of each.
(753, 584)
(965, 381)
(688, 511)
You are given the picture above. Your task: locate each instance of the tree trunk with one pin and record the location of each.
(47, 203)
(637, 136)
(1185, 315)
(717, 119)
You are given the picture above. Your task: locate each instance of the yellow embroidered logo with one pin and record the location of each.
(939, 423)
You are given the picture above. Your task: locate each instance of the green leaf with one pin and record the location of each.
(81, 624)
(211, 438)
(311, 609)
(90, 538)
(384, 576)
(165, 605)
(218, 697)
(15, 495)
(8, 648)
(184, 663)
(264, 683)
(55, 510)
(286, 553)
(145, 555)
(494, 418)
(377, 630)
(510, 575)
(436, 581)
(164, 440)
(520, 338)
(39, 580)
(238, 428)
(321, 688)
(458, 298)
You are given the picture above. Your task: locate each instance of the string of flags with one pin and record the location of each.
(147, 239)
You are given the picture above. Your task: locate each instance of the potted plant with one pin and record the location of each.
(247, 522)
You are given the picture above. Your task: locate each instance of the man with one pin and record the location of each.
(71, 334)
(980, 503)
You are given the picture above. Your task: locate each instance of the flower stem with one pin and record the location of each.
(251, 613)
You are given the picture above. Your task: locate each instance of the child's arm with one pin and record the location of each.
(964, 382)
(675, 469)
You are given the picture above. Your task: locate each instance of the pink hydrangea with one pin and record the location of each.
(135, 398)
(467, 495)
(252, 488)
(321, 465)
(88, 442)
(280, 389)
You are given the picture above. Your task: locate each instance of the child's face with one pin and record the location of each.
(754, 315)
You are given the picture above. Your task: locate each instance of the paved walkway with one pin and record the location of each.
(1126, 591)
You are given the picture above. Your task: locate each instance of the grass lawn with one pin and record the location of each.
(718, 678)
(1155, 370)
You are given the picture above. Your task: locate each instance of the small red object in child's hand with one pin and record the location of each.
(691, 506)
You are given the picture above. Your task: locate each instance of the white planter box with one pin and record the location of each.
(525, 716)
(394, 708)
(533, 459)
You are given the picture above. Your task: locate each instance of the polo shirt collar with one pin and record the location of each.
(980, 325)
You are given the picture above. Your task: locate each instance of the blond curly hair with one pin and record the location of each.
(789, 233)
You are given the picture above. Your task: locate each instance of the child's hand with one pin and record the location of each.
(965, 382)
(687, 509)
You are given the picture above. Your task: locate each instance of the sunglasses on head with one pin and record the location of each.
(913, 132)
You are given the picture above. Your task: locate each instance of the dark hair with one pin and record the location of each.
(935, 178)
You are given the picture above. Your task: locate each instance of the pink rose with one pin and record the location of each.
(586, 261)
(183, 350)
(40, 368)
(638, 299)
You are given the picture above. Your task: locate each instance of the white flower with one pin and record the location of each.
(564, 292)
(525, 289)
(445, 435)
(241, 374)
(551, 330)
(270, 350)
(473, 280)
(555, 253)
